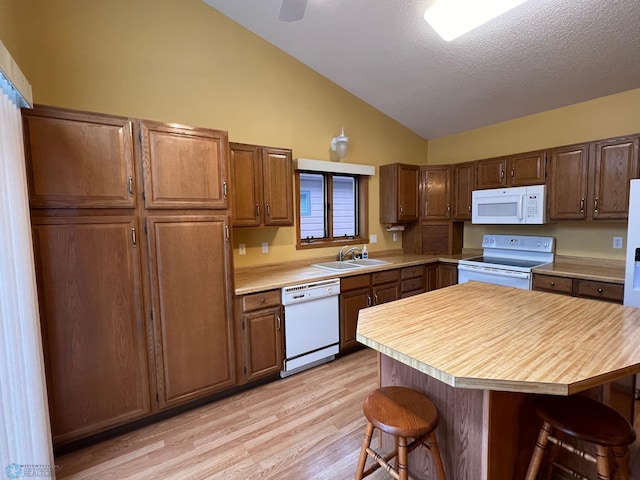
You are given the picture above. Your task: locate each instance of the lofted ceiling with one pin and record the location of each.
(544, 54)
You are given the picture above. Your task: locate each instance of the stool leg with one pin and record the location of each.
(366, 442)
(602, 463)
(432, 445)
(621, 460)
(538, 451)
(403, 473)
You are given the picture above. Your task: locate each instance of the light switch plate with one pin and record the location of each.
(373, 238)
(265, 247)
(243, 249)
(395, 237)
(617, 242)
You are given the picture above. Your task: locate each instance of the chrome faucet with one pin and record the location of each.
(342, 254)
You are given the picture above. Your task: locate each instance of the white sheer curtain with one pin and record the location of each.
(25, 438)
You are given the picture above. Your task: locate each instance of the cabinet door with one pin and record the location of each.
(491, 173)
(447, 275)
(431, 275)
(464, 182)
(77, 159)
(88, 272)
(527, 168)
(351, 302)
(246, 185)
(568, 182)
(277, 186)
(184, 167)
(399, 193)
(385, 293)
(263, 343)
(191, 285)
(616, 163)
(435, 193)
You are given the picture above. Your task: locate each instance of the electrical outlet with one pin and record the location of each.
(395, 237)
(265, 247)
(373, 238)
(617, 242)
(243, 249)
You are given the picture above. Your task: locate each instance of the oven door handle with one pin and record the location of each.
(495, 271)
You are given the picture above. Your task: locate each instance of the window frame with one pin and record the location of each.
(362, 212)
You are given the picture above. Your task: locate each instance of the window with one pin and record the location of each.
(329, 209)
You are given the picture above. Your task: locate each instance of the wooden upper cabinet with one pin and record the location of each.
(88, 271)
(191, 294)
(435, 192)
(262, 185)
(513, 171)
(492, 173)
(184, 167)
(399, 193)
(464, 182)
(78, 159)
(615, 163)
(568, 175)
(277, 181)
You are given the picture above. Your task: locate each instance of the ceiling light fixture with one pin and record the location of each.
(452, 18)
(340, 145)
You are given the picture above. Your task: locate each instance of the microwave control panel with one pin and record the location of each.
(533, 206)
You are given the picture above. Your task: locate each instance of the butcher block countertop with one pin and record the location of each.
(481, 336)
(266, 277)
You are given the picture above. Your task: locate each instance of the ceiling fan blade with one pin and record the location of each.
(292, 10)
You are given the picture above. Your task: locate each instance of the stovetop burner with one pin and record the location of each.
(507, 262)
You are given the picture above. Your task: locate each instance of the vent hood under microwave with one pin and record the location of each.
(512, 206)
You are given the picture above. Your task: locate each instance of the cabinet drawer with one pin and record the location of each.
(412, 272)
(412, 284)
(354, 283)
(601, 290)
(386, 276)
(553, 284)
(256, 301)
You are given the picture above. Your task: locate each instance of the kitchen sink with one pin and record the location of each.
(336, 266)
(367, 262)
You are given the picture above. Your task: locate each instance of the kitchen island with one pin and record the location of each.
(480, 350)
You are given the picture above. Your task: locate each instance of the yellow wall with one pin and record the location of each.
(604, 117)
(181, 61)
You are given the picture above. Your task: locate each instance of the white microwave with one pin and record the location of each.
(513, 206)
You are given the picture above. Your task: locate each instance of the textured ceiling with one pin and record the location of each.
(543, 54)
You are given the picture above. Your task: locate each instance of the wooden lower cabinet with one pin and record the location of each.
(606, 291)
(412, 281)
(88, 274)
(360, 292)
(447, 275)
(190, 291)
(261, 339)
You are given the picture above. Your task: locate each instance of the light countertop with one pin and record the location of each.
(585, 269)
(481, 336)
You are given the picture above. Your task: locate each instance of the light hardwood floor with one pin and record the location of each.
(305, 427)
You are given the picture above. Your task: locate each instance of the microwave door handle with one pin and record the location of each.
(521, 209)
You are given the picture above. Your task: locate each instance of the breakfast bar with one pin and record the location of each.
(480, 351)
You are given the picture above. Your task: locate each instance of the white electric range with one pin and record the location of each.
(507, 260)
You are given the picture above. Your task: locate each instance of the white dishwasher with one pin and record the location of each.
(311, 324)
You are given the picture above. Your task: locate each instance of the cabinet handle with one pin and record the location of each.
(513, 172)
(595, 206)
(278, 323)
(448, 209)
(501, 174)
(368, 300)
(599, 290)
(400, 209)
(224, 189)
(226, 232)
(582, 205)
(134, 239)
(130, 186)
(375, 298)
(268, 211)
(469, 209)
(262, 300)
(553, 284)
(257, 210)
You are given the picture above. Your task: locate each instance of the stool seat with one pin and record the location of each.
(582, 418)
(585, 419)
(402, 413)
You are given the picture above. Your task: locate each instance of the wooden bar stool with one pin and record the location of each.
(403, 413)
(588, 420)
